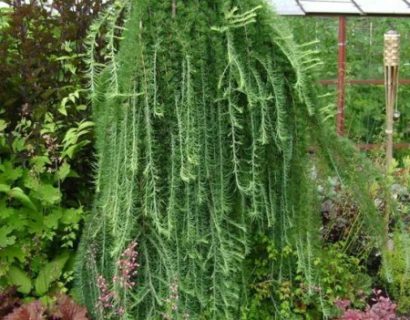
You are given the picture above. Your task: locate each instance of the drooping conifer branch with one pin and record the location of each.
(203, 118)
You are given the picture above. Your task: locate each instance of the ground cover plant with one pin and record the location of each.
(204, 114)
(60, 308)
(382, 308)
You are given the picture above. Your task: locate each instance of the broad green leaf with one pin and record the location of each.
(3, 273)
(35, 225)
(3, 125)
(73, 174)
(72, 150)
(9, 173)
(19, 144)
(72, 216)
(31, 182)
(69, 152)
(18, 194)
(12, 253)
(20, 279)
(39, 163)
(6, 212)
(63, 171)
(72, 96)
(50, 273)
(19, 218)
(5, 238)
(85, 125)
(4, 188)
(47, 194)
(70, 136)
(62, 109)
(51, 221)
(48, 128)
(49, 301)
(81, 107)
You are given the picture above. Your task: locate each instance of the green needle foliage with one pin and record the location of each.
(204, 116)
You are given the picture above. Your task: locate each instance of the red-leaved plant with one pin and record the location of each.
(382, 309)
(8, 301)
(67, 309)
(31, 311)
(63, 309)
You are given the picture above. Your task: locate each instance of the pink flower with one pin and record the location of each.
(105, 299)
(120, 311)
(342, 304)
(172, 301)
(127, 266)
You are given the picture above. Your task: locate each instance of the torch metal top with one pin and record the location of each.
(392, 32)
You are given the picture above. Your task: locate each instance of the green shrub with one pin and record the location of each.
(398, 275)
(40, 55)
(38, 230)
(339, 277)
(45, 142)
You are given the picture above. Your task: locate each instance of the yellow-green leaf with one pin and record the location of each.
(63, 171)
(18, 194)
(20, 279)
(50, 273)
(4, 188)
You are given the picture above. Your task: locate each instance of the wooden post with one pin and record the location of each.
(174, 8)
(391, 74)
(341, 81)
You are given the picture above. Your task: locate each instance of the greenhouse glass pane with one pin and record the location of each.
(384, 7)
(286, 7)
(329, 6)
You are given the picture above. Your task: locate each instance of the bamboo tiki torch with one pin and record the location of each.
(391, 76)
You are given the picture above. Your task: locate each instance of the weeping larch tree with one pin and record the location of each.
(204, 115)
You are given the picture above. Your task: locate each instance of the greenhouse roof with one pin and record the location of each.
(342, 7)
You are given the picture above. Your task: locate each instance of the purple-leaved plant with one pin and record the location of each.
(382, 309)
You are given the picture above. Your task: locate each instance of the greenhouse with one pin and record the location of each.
(220, 159)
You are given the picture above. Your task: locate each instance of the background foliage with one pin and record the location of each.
(365, 105)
